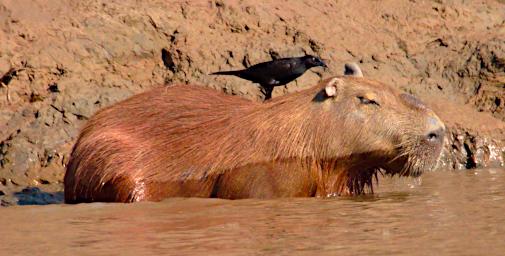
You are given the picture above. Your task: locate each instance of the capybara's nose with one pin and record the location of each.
(436, 136)
(436, 130)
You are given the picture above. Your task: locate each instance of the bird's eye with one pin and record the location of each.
(313, 59)
(367, 101)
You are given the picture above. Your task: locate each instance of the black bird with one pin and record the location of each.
(276, 72)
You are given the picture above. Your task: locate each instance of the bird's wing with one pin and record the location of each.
(273, 72)
(282, 66)
(287, 70)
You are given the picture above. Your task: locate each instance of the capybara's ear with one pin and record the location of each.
(333, 86)
(352, 69)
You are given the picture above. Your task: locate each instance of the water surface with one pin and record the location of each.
(444, 213)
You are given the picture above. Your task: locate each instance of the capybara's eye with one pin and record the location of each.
(367, 101)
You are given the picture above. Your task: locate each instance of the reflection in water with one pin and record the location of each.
(448, 213)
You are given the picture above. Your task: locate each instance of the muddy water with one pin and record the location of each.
(445, 213)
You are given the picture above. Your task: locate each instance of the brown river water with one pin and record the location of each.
(443, 213)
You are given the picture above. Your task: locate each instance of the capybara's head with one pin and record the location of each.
(380, 128)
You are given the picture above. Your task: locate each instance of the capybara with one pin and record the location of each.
(190, 141)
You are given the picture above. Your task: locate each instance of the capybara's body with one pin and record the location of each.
(192, 141)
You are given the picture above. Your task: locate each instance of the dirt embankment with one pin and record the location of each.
(60, 61)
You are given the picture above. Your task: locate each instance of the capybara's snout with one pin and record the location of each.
(436, 131)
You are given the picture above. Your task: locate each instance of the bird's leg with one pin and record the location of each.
(267, 91)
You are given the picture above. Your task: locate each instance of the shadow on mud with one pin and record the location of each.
(35, 196)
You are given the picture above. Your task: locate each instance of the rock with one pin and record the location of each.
(474, 139)
(33, 195)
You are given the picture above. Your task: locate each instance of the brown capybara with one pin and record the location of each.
(192, 141)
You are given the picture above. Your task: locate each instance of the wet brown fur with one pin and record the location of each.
(189, 140)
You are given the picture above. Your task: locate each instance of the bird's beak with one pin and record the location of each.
(323, 64)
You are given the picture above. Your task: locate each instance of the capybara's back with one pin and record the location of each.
(122, 147)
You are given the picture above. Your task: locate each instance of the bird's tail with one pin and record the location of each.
(228, 73)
